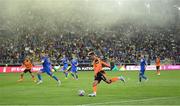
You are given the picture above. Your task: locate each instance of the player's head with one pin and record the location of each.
(142, 56)
(43, 54)
(92, 55)
(111, 57)
(158, 56)
(27, 59)
(74, 56)
(64, 55)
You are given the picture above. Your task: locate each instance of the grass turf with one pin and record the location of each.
(158, 90)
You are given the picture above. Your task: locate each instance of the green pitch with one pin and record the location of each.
(159, 90)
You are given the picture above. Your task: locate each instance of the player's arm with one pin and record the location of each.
(31, 65)
(77, 64)
(145, 64)
(42, 61)
(39, 62)
(22, 65)
(69, 67)
(106, 64)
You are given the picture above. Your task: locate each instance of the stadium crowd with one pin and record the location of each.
(124, 42)
(33, 29)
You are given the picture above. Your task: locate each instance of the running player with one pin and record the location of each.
(158, 63)
(74, 64)
(65, 66)
(142, 69)
(46, 69)
(28, 66)
(100, 74)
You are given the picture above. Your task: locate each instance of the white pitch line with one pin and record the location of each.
(132, 100)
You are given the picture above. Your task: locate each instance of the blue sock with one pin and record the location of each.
(139, 78)
(66, 74)
(55, 78)
(39, 77)
(144, 77)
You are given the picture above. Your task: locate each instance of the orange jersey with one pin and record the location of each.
(27, 64)
(98, 64)
(158, 62)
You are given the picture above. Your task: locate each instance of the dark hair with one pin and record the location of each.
(91, 53)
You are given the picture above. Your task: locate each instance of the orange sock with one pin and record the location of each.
(94, 89)
(114, 79)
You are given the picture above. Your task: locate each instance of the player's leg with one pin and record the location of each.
(140, 75)
(64, 69)
(109, 81)
(33, 78)
(66, 72)
(39, 76)
(140, 79)
(97, 80)
(76, 74)
(95, 83)
(143, 75)
(103, 77)
(73, 73)
(22, 75)
(53, 76)
(158, 71)
(121, 78)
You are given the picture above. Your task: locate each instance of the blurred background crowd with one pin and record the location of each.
(111, 43)
(116, 29)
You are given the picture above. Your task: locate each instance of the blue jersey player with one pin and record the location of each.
(46, 69)
(65, 65)
(74, 64)
(142, 69)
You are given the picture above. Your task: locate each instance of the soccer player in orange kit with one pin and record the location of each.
(158, 63)
(99, 73)
(28, 66)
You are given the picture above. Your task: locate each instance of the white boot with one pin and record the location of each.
(92, 95)
(59, 83)
(39, 82)
(122, 79)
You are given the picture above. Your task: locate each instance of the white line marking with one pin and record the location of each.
(131, 100)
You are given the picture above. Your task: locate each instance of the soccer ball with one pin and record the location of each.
(81, 92)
